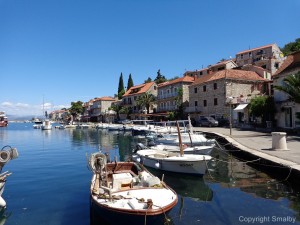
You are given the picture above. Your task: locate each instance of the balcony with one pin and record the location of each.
(166, 108)
(192, 109)
(164, 96)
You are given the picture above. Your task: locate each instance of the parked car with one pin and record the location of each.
(223, 122)
(207, 121)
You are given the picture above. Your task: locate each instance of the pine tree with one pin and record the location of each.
(121, 89)
(160, 78)
(129, 82)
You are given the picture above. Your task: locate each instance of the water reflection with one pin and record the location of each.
(230, 172)
(226, 171)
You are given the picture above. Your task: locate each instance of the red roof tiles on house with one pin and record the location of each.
(186, 79)
(230, 74)
(139, 89)
(253, 49)
(292, 61)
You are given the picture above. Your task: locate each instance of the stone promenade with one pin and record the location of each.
(260, 144)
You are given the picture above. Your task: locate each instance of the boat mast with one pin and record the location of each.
(179, 138)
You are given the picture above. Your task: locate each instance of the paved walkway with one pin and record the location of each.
(260, 144)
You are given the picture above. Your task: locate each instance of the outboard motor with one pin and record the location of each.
(139, 146)
(151, 143)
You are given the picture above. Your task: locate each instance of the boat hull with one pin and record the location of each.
(189, 163)
(109, 216)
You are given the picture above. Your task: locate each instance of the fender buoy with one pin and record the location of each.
(2, 202)
(4, 156)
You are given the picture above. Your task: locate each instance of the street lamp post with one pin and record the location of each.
(229, 100)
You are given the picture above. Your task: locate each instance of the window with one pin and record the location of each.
(196, 103)
(195, 90)
(264, 66)
(215, 86)
(201, 73)
(242, 56)
(215, 101)
(276, 65)
(204, 88)
(204, 103)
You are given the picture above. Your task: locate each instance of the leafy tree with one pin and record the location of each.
(117, 108)
(121, 89)
(262, 106)
(129, 82)
(148, 80)
(291, 47)
(160, 78)
(126, 110)
(76, 109)
(146, 100)
(178, 98)
(291, 86)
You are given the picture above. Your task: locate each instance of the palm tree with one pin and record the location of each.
(291, 86)
(146, 100)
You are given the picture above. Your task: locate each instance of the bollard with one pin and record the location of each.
(279, 141)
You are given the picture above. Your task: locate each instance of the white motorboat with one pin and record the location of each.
(191, 139)
(173, 162)
(126, 193)
(201, 150)
(46, 125)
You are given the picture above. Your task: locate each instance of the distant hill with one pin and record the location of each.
(18, 117)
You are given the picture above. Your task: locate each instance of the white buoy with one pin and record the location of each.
(2, 203)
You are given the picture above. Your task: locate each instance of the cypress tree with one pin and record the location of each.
(129, 82)
(121, 89)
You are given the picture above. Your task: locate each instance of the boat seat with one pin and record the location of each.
(122, 181)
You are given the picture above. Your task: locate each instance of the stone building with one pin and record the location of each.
(98, 108)
(286, 108)
(168, 96)
(268, 57)
(129, 99)
(225, 93)
(222, 65)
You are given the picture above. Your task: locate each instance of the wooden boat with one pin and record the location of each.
(126, 193)
(7, 153)
(173, 162)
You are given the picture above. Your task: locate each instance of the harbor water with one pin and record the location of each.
(50, 182)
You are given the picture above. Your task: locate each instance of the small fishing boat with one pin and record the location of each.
(127, 193)
(7, 153)
(173, 162)
(200, 150)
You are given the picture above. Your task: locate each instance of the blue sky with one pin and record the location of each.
(59, 51)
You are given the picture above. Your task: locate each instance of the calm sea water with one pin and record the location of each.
(50, 183)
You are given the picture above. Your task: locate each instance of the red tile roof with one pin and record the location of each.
(139, 89)
(253, 49)
(186, 79)
(292, 61)
(230, 74)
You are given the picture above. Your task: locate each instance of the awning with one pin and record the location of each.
(240, 107)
